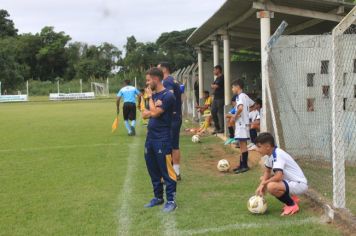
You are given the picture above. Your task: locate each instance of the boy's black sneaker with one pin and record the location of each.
(242, 170)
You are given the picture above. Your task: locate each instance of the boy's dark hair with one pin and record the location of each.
(127, 82)
(142, 90)
(154, 71)
(265, 137)
(238, 82)
(206, 92)
(166, 65)
(218, 67)
(259, 101)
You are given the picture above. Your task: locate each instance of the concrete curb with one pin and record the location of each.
(341, 217)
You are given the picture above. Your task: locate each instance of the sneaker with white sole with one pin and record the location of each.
(169, 206)
(229, 141)
(290, 210)
(154, 202)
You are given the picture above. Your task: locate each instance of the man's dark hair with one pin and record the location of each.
(154, 71)
(259, 101)
(265, 137)
(218, 67)
(206, 92)
(127, 82)
(238, 82)
(166, 65)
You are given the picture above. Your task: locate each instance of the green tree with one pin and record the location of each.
(52, 61)
(73, 55)
(131, 44)
(97, 61)
(143, 57)
(88, 68)
(7, 27)
(173, 48)
(11, 71)
(110, 55)
(27, 47)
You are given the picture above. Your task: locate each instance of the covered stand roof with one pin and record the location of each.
(238, 18)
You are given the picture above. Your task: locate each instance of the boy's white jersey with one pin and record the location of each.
(280, 160)
(254, 115)
(246, 102)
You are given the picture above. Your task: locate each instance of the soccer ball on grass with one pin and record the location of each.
(223, 165)
(196, 138)
(257, 205)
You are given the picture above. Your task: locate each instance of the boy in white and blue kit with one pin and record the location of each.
(288, 179)
(242, 123)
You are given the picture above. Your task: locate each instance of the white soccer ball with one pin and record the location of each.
(223, 165)
(257, 205)
(196, 138)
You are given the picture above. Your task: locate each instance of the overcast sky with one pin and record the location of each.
(97, 21)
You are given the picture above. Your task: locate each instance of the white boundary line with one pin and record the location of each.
(169, 224)
(310, 220)
(123, 213)
(59, 147)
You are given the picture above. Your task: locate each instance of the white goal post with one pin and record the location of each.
(100, 89)
(15, 97)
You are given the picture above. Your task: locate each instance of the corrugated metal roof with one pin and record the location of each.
(246, 33)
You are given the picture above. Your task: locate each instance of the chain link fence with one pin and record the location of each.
(188, 77)
(312, 82)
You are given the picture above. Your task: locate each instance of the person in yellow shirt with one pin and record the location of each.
(205, 110)
(143, 104)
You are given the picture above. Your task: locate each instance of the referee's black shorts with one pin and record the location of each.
(129, 111)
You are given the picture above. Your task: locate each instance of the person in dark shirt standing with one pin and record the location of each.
(158, 146)
(217, 108)
(172, 85)
(196, 92)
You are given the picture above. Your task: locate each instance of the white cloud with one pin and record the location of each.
(97, 21)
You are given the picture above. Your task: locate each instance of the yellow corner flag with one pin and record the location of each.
(115, 124)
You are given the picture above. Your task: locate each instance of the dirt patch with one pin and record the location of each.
(210, 155)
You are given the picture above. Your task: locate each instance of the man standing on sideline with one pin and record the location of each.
(196, 92)
(129, 94)
(217, 109)
(158, 146)
(172, 85)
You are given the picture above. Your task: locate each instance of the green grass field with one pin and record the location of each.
(63, 172)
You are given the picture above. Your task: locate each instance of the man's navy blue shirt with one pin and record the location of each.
(159, 128)
(171, 84)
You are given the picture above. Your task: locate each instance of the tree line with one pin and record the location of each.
(50, 56)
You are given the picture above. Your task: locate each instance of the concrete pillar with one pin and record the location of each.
(227, 73)
(200, 73)
(215, 44)
(265, 24)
